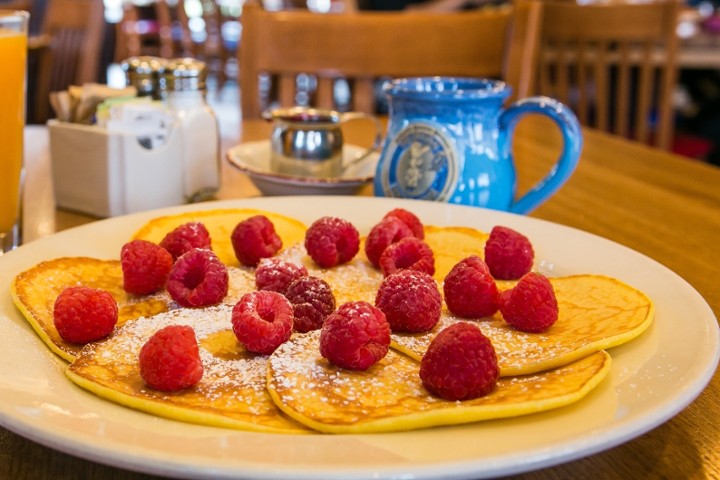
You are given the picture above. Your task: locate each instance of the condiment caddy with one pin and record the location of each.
(157, 149)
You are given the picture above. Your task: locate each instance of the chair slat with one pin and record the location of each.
(563, 83)
(668, 82)
(364, 94)
(646, 90)
(622, 93)
(601, 88)
(581, 80)
(545, 83)
(324, 94)
(286, 89)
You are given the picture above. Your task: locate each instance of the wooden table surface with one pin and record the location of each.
(664, 206)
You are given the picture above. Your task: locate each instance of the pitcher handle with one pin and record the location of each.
(565, 165)
(349, 116)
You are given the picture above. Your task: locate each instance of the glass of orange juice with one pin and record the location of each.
(13, 59)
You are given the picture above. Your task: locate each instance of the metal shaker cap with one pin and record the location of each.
(140, 72)
(183, 74)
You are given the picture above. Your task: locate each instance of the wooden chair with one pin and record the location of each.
(614, 63)
(75, 31)
(220, 47)
(364, 46)
(174, 19)
(157, 29)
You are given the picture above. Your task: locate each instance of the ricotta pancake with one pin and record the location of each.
(595, 313)
(358, 279)
(34, 292)
(230, 394)
(389, 396)
(452, 244)
(352, 281)
(220, 223)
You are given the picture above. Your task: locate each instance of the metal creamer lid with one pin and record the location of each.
(141, 71)
(183, 74)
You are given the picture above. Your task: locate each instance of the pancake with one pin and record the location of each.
(230, 394)
(220, 224)
(358, 279)
(354, 280)
(34, 292)
(390, 397)
(452, 244)
(595, 313)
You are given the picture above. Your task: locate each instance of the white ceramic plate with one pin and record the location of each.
(652, 379)
(253, 159)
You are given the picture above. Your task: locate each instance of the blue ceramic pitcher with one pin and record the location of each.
(449, 139)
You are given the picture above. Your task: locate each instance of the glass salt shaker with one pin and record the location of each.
(141, 72)
(182, 83)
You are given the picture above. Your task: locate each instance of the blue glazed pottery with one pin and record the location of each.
(450, 139)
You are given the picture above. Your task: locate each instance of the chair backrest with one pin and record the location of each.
(75, 29)
(614, 63)
(364, 46)
(26, 5)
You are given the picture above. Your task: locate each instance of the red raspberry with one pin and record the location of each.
(387, 232)
(410, 301)
(186, 237)
(262, 321)
(276, 275)
(355, 336)
(410, 219)
(83, 314)
(508, 253)
(170, 359)
(198, 279)
(312, 301)
(332, 241)
(470, 290)
(460, 364)
(145, 267)
(409, 252)
(530, 306)
(255, 238)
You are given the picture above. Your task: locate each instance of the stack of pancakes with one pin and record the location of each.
(295, 390)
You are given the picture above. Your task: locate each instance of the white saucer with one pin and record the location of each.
(253, 159)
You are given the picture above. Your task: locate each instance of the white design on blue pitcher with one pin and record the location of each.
(423, 164)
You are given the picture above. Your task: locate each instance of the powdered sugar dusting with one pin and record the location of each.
(315, 388)
(241, 281)
(355, 280)
(594, 313)
(390, 396)
(231, 377)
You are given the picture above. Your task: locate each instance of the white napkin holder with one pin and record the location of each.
(105, 173)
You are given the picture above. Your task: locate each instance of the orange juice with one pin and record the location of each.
(13, 57)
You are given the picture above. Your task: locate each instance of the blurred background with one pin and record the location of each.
(211, 30)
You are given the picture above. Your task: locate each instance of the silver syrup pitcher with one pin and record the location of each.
(308, 142)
